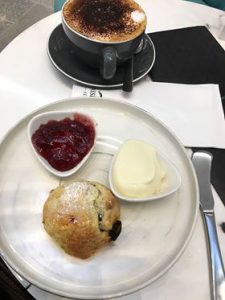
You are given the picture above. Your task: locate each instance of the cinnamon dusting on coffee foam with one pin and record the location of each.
(105, 20)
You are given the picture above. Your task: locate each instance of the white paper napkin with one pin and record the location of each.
(193, 112)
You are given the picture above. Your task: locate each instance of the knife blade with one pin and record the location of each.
(202, 162)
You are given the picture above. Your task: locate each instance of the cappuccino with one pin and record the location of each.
(105, 20)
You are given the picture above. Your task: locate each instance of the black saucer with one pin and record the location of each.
(62, 54)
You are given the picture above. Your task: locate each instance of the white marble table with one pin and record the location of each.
(28, 80)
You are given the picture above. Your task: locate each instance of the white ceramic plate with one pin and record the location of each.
(154, 234)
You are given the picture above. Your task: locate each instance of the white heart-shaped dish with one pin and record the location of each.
(59, 116)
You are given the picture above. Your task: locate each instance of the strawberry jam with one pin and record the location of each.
(66, 142)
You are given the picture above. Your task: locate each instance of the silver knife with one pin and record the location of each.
(202, 162)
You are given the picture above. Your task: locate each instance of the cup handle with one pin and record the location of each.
(108, 68)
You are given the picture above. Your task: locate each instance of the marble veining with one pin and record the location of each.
(217, 26)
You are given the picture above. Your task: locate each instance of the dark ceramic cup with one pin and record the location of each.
(103, 55)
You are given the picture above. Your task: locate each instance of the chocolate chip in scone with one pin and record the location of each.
(115, 231)
(72, 219)
(100, 217)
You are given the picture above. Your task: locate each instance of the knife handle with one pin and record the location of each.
(217, 268)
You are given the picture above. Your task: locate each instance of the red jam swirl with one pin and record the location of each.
(66, 142)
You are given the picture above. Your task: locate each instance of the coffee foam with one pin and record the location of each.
(137, 16)
(105, 20)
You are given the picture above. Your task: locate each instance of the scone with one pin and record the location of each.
(82, 217)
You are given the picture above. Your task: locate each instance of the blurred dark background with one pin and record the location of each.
(17, 15)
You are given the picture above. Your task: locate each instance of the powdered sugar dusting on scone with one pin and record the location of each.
(74, 193)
